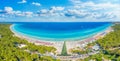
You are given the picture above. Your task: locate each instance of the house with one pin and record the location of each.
(96, 47)
(21, 45)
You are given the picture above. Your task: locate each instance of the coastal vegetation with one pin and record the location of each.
(64, 50)
(110, 46)
(9, 50)
(78, 51)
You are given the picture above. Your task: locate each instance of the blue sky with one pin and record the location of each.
(28, 6)
(59, 10)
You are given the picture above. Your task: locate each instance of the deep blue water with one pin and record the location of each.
(60, 30)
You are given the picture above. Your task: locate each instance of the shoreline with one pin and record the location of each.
(77, 38)
(58, 44)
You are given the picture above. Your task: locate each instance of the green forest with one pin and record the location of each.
(10, 52)
(110, 47)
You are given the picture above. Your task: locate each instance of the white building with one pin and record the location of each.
(96, 47)
(21, 45)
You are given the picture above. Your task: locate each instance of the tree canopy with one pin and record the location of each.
(10, 52)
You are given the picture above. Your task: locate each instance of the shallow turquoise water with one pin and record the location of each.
(54, 31)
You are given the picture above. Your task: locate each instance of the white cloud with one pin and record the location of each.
(44, 11)
(23, 14)
(75, 1)
(53, 11)
(76, 13)
(18, 13)
(28, 14)
(92, 5)
(9, 12)
(36, 3)
(57, 8)
(8, 9)
(104, 10)
(23, 1)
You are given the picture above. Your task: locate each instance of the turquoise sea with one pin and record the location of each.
(59, 31)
